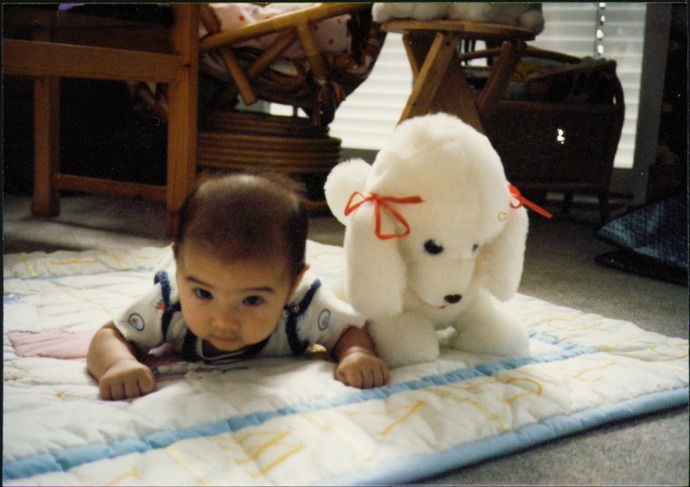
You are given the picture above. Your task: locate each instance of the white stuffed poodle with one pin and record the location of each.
(434, 239)
(527, 15)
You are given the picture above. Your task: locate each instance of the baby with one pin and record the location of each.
(238, 287)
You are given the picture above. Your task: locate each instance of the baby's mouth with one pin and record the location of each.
(222, 339)
(218, 345)
(226, 343)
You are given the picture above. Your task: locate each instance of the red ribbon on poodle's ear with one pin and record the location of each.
(383, 202)
(376, 271)
(521, 200)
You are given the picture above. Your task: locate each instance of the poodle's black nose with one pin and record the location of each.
(453, 298)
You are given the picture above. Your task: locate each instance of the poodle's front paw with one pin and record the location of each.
(509, 339)
(404, 339)
(490, 329)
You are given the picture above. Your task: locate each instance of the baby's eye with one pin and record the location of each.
(475, 247)
(432, 247)
(203, 294)
(253, 301)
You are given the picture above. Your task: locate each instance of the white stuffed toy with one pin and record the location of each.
(435, 238)
(383, 12)
(527, 15)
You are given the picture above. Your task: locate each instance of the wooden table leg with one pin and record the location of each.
(455, 96)
(439, 84)
(431, 70)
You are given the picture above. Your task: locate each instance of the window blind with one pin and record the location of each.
(370, 114)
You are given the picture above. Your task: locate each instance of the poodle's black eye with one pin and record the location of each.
(475, 247)
(432, 247)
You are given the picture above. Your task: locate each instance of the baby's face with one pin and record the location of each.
(230, 306)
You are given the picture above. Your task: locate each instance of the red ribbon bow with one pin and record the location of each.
(524, 201)
(383, 202)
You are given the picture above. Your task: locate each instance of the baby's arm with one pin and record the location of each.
(112, 362)
(358, 364)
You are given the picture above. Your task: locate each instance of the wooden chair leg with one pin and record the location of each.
(182, 146)
(46, 197)
(182, 116)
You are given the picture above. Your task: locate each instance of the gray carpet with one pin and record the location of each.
(559, 267)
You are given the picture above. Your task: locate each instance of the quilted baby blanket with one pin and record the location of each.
(287, 421)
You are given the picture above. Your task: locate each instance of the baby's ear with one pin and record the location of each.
(298, 279)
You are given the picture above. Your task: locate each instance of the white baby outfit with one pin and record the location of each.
(313, 315)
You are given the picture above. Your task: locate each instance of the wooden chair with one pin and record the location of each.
(243, 77)
(77, 46)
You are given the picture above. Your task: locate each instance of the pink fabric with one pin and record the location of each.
(53, 344)
(162, 355)
(331, 35)
(73, 346)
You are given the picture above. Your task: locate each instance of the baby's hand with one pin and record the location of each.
(362, 370)
(126, 379)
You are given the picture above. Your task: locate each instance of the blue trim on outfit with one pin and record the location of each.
(294, 311)
(189, 349)
(170, 307)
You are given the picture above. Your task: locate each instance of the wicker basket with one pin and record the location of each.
(240, 141)
(556, 144)
(562, 146)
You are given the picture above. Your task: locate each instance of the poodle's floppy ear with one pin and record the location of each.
(503, 257)
(375, 269)
(345, 179)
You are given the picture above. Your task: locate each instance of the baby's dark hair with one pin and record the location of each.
(247, 217)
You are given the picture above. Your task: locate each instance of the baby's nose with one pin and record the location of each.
(226, 320)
